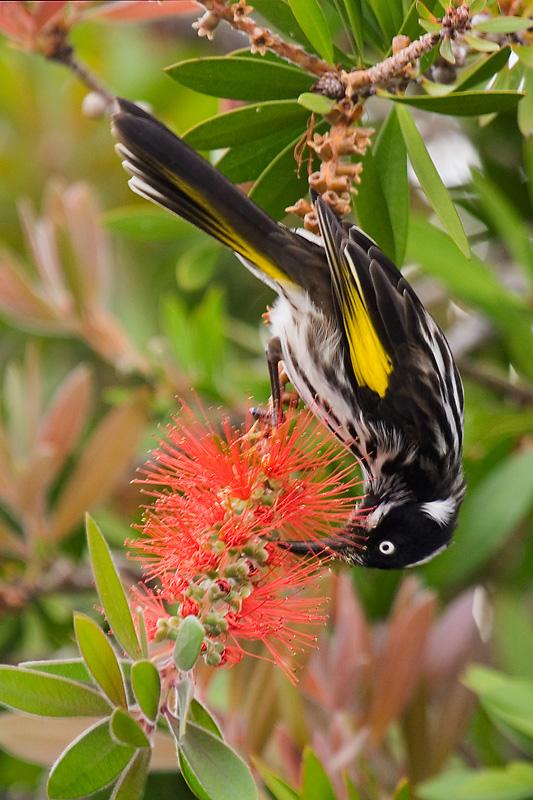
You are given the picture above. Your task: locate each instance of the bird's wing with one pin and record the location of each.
(403, 369)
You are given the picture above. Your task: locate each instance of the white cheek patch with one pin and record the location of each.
(428, 558)
(441, 511)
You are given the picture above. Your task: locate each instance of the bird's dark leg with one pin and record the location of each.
(273, 356)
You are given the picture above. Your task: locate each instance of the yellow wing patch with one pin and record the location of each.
(370, 361)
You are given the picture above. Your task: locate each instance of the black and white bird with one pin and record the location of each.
(355, 341)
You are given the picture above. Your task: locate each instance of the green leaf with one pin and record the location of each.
(316, 784)
(429, 26)
(390, 16)
(469, 279)
(184, 695)
(145, 223)
(525, 109)
(280, 16)
(475, 283)
(372, 207)
(110, 591)
(100, 658)
(130, 785)
(504, 698)
(460, 104)
(277, 787)
(125, 730)
(241, 78)
(424, 11)
(189, 640)
(390, 159)
(146, 686)
(201, 717)
(246, 162)
(73, 668)
(212, 769)
(430, 180)
(446, 51)
(513, 641)
(483, 45)
(48, 695)
(90, 763)
(490, 513)
(482, 70)
(247, 124)
(503, 24)
(354, 13)
(402, 791)
(525, 54)
(316, 103)
(513, 782)
(312, 20)
(505, 220)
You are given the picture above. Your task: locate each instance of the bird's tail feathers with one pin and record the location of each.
(168, 172)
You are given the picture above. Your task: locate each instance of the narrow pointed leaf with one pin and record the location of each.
(101, 659)
(130, 785)
(189, 640)
(280, 16)
(111, 592)
(247, 124)
(482, 70)
(146, 685)
(90, 763)
(125, 730)
(483, 45)
(48, 695)
(390, 158)
(503, 697)
(201, 717)
(503, 24)
(525, 109)
(316, 783)
(402, 791)
(211, 766)
(313, 22)
(73, 668)
(460, 104)
(506, 221)
(446, 51)
(372, 207)
(354, 13)
(429, 26)
(277, 787)
(430, 180)
(316, 102)
(241, 78)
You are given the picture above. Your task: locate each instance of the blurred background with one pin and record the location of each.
(109, 309)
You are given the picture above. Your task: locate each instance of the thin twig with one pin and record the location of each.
(519, 392)
(64, 54)
(261, 39)
(391, 67)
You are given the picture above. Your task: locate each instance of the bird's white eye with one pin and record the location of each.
(387, 548)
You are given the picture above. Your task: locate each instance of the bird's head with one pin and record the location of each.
(407, 535)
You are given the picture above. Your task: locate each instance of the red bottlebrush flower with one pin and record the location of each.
(221, 500)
